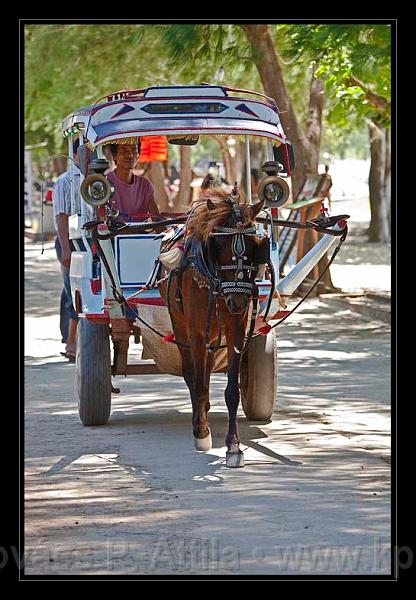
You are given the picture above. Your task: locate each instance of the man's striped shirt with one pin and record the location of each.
(61, 197)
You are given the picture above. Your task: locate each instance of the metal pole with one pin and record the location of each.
(270, 155)
(275, 213)
(292, 281)
(71, 171)
(248, 169)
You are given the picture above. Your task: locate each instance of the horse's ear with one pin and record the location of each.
(255, 209)
(210, 204)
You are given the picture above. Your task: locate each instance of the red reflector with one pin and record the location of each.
(341, 223)
(95, 286)
(168, 338)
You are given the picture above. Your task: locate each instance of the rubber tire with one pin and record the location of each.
(93, 373)
(258, 377)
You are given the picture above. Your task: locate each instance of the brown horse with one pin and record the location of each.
(209, 297)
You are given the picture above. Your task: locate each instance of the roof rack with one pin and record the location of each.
(243, 91)
(126, 93)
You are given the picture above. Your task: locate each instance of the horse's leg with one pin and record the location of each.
(202, 366)
(196, 369)
(196, 361)
(235, 337)
(182, 325)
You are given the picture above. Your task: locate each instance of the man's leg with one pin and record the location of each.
(63, 316)
(63, 307)
(71, 315)
(71, 342)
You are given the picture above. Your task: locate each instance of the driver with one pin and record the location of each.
(134, 196)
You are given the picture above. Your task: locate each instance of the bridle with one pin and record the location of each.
(241, 283)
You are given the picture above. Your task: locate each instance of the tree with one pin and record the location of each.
(354, 61)
(68, 66)
(237, 48)
(306, 140)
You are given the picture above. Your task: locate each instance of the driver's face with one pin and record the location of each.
(126, 156)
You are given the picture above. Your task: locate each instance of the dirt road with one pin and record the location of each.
(134, 497)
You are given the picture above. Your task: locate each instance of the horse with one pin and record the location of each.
(221, 256)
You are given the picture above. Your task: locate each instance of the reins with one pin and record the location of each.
(336, 250)
(216, 287)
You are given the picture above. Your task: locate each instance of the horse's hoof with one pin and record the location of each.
(203, 444)
(234, 459)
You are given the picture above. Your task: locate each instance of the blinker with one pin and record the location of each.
(261, 254)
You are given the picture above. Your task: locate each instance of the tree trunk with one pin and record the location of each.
(387, 176)
(314, 125)
(226, 159)
(306, 145)
(271, 76)
(379, 226)
(239, 164)
(314, 132)
(155, 174)
(183, 197)
(314, 128)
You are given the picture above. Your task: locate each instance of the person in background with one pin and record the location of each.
(255, 178)
(207, 183)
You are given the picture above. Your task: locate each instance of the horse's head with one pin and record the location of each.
(232, 248)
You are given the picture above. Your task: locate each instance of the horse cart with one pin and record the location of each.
(199, 290)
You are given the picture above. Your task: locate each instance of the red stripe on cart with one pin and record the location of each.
(149, 301)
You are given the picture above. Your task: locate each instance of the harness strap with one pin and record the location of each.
(272, 289)
(233, 230)
(249, 335)
(213, 293)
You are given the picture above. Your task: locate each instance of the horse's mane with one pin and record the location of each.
(202, 222)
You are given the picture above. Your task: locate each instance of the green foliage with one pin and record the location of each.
(341, 54)
(196, 52)
(338, 143)
(68, 66)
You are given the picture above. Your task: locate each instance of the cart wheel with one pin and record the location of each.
(93, 367)
(258, 377)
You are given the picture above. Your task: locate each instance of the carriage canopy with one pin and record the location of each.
(176, 112)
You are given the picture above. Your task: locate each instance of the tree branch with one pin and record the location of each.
(375, 100)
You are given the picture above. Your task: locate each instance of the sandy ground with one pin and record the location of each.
(134, 497)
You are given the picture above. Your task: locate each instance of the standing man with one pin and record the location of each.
(61, 198)
(133, 194)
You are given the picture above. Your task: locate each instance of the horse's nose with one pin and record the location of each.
(236, 305)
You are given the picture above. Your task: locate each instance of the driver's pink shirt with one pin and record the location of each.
(131, 198)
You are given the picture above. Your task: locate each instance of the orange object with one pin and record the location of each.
(154, 147)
